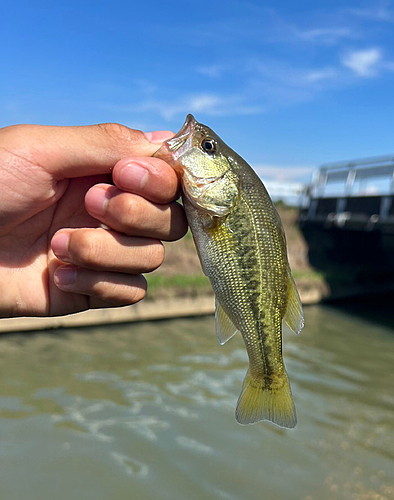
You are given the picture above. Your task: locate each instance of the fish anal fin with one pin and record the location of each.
(294, 316)
(258, 402)
(225, 328)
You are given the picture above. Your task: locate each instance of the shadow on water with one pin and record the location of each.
(353, 263)
(377, 308)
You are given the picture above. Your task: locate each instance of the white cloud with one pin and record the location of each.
(285, 182)
(280, 74)
(279, 83)
(213, 71)
(380, 13)
(204, 103)
(257, 23)
(325, 35)
(284, 173)
(251, 81)
(320, 75)
(364, 63)
(289, 192)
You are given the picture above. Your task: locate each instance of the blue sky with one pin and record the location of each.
(288, 85)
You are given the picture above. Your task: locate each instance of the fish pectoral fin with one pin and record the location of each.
(225, 328)
(294, 317)
(204, 270)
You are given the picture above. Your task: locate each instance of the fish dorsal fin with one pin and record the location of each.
(294, 317)
(225, 328)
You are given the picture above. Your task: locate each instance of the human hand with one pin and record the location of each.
(55, 258)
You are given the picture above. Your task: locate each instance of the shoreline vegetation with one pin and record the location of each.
(179, 288)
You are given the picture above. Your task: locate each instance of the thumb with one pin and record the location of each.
(80, 151)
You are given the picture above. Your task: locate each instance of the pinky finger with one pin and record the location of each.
(115, 289)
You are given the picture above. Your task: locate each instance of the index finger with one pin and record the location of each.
(151, 178)
(68, 152)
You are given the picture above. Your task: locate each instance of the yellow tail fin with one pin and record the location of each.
(257, 402)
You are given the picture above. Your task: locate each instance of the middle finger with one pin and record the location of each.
(133, 215)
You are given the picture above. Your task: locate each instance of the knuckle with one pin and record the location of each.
(125, 212)
(121, 293)
(84, 248)
(20, 140)
(16, 130)
(137, 293)
(129, 210)
(156, 255)
(117, 131)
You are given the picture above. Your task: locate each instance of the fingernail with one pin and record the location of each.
(133, 176)
(97, 201)
(60, 245)
(159, 136)
(65, 276)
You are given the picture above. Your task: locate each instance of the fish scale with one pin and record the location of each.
(242, 248)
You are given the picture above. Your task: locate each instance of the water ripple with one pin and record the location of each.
(194, 445)
(101, 413)
(147, 426)
(130, 466)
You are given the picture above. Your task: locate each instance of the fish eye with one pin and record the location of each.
(209, 146)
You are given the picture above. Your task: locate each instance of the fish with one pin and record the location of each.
(241, 244)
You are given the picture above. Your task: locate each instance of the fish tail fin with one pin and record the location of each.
(258, 402)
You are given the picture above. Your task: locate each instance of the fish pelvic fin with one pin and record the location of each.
(225, 328)
(294, 316)
(259, 402)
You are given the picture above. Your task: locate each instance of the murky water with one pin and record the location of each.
(146, 411)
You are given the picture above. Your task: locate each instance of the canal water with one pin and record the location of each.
(146, 411)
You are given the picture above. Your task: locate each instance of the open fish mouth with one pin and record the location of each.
(181, 137)
(174, 148)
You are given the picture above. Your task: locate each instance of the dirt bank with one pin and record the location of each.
(181, 272)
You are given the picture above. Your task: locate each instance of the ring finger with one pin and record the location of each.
(102, 250)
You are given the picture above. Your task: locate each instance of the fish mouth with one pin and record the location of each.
(172, 149)
(181, 137)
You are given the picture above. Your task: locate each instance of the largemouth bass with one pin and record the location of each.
(242, 248)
